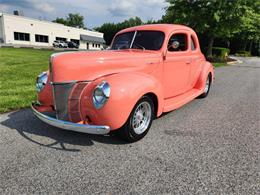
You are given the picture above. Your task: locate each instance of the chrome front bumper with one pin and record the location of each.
(91, 129)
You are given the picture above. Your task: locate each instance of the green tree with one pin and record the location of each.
(110, 29)
(61, 21)
(73, 20)
(250, 27)
(213, 18)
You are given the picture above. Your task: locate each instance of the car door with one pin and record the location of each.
(177, 65)
(196, 60)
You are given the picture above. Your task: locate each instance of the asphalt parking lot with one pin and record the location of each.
(209, 146)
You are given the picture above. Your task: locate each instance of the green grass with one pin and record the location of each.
(219, 64)
(18, 71)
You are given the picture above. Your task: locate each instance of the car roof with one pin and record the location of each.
(166, 28)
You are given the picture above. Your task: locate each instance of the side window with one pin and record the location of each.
(178, 42)
(193, 45)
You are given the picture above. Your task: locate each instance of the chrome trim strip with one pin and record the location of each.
(51, 79)
(60, 53)
(69, 82)
(51, 73)
(91, 129)
(62, 93)
(131, 45)
(63, 83)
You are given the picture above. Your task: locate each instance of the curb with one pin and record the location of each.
(235, 61)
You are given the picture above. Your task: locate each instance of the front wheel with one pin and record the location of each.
(139, 121)
(207, 87)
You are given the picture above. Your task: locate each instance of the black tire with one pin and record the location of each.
(206, 92)
(127, 132)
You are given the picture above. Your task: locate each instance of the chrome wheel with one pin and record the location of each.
(141, 118)
(139, 121)
(207, 86)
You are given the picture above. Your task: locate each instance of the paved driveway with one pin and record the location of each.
(209, 146)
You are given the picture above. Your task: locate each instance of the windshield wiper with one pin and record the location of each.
(140, 46)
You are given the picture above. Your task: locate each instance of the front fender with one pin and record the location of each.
(45, 97)
(126, 90)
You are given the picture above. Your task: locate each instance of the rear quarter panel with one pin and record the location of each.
(206, 68)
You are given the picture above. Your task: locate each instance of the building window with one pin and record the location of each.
(75, 41)
(18, 36)
(61, 39)
(42, 38)
(93, 45)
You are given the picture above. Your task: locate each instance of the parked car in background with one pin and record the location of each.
(149, 70)
(59, 43)
(71, 44)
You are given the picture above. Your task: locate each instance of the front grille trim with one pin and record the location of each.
(61, 93)
(54, 85)
(74, 107)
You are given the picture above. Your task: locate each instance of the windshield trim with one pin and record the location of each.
(134, 36)
(133, 39)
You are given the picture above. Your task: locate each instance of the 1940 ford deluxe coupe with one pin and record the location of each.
(148, 70)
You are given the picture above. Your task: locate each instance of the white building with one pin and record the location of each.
(22, 31)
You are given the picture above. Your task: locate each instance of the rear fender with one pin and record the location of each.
(207, 68)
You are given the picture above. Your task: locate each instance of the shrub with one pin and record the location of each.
(242, 53)
(220, 52)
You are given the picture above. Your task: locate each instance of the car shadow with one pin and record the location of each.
(30, 127)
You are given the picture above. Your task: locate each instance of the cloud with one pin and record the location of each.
(41, 6)
(155, 2)
(133, 7)
(95, 12)
(3, 7)
(122, 8)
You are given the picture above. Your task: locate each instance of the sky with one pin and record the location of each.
(95, 12)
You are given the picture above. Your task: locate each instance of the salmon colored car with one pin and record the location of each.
(148, 70)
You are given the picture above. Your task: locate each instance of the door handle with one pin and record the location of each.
(188, 62)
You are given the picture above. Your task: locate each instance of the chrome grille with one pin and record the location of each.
(74, 102)
(61, 92)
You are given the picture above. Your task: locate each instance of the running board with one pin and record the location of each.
(180, 100)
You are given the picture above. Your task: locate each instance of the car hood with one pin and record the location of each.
(83, 66)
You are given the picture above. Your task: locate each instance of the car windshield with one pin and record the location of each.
(145, 40)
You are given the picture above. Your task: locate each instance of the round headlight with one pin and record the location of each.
(101, 94)
(41, 81)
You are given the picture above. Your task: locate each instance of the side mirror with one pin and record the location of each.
(175, 45)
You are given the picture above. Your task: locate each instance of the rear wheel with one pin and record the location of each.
(207, 87)
(139, 121)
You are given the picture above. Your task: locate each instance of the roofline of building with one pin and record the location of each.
(38, 20)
